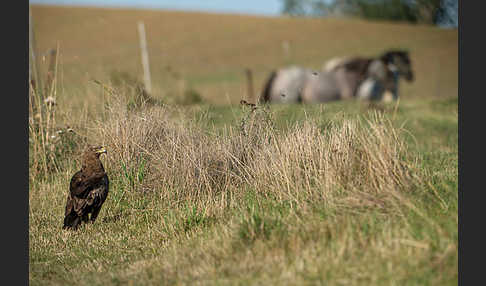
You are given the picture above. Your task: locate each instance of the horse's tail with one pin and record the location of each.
(267, 90)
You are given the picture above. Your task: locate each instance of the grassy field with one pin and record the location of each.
(344, 193)
(210, 52)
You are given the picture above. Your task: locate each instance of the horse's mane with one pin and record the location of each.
(358, 65)
(388, 56)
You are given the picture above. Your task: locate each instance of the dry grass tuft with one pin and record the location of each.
(367, 159)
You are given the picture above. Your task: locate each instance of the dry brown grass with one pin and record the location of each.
(363, 157)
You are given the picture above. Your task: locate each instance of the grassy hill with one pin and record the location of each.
(211, 51)
(344, 193)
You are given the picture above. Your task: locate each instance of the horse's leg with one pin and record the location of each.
(377, 91)
(346, 82)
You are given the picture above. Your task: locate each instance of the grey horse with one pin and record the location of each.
(340, 78)
(285, 85)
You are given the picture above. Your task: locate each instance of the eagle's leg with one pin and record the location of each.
(76, 222)
(84, 218)
(95, 213)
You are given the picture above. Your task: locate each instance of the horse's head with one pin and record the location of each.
(399, 61)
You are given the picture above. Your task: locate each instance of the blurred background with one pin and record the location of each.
(198, 51)
(440, 12)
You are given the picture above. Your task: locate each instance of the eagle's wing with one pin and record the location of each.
(69, 205)
(71, 218)
(80, 184)
(97, 197)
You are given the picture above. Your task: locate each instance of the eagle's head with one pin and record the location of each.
(95, 151)
(91, 157)
(98, 150)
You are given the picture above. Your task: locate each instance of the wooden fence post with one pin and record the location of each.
(51, 71)
(286, 50)
(145, 60)
(249, 86)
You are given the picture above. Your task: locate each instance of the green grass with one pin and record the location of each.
(247, 236)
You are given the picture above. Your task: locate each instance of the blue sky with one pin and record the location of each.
(259, 7)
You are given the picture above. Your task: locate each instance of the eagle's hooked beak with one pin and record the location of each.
(101, 150)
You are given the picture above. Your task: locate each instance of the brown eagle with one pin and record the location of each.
(88, 189)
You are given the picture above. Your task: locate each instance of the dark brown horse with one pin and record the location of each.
(369, 78)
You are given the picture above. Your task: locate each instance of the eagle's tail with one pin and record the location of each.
(71, 221)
